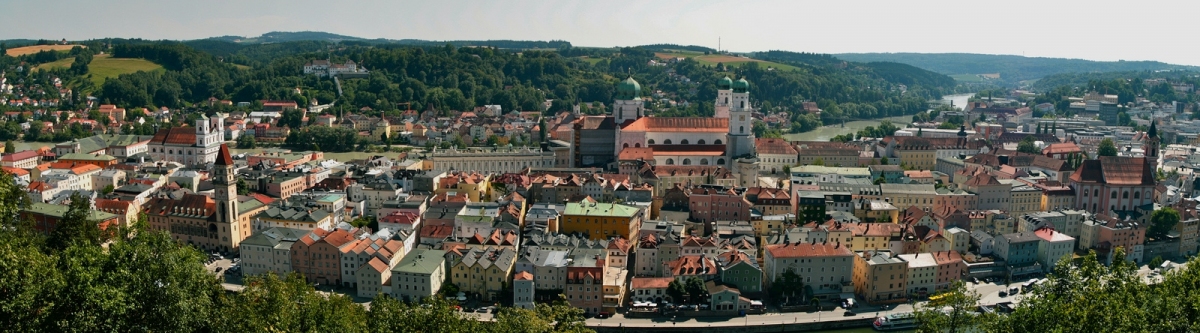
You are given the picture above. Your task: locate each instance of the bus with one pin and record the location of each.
(1029, 285)
(938, 299)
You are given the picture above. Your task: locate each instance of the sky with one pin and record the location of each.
(1094, 30)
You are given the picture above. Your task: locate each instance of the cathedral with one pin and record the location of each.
(716, 141)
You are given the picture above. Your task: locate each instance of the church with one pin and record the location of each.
(716, 141)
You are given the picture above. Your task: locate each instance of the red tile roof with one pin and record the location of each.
(523, 276)
(678, 124)
(1116, 170)
(223, 157)
(18, 156)
(650, 282)
(774, 146)
(632, 153)
(175, 135)
(805, 250)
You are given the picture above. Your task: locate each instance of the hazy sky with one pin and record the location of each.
(1098, 30)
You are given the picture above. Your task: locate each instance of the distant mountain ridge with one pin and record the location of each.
(299, 36)
(1012, 68)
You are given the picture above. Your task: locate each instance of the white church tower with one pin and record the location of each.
(741, 121)
(628, 104)
(724, 97)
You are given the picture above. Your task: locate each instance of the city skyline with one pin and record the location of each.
(1034, 29)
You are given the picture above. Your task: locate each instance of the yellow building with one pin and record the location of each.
(1055, 198)
(880, 277)
(907, 195)
(601, 220)
(876, 211)
(918, 159)
(1025, 199)
(484, 272)
(875, 236)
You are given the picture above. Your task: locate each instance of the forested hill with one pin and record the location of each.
(1012, 68)
(317, 36)
(890, 71)
(447, 78)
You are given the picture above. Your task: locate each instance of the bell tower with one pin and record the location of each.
(225, 188)
(740, 140)
(1151, 147)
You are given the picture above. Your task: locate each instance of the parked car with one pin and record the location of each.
(603, 315)
(1014, 291)
(849, 314)
(1003, 293)
(976, 280)
(219, 269)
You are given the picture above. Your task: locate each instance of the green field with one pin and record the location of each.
(966, 78)
(104, 66)
(728, 60)
(590, 60)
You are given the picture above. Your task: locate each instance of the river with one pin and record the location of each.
(829, 131)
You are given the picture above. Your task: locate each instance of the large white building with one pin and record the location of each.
(189, 146)
(500, 160)
(269, 251)
(719, 140)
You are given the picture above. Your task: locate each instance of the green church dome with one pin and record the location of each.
(741, 86)
(629, 89)
(725, 83)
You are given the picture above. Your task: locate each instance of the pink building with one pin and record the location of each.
(950, 268)
(712, 204)
(317, 255)
(585, 288)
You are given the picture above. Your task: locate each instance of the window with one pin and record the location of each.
(667, 141)
(625, 145)
(670, 161)
(687, 161)
(650, 142)
(1125, 195)
(700, 142)
(1114, 194)
(717, 142)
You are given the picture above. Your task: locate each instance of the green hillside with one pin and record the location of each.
(1012, 68)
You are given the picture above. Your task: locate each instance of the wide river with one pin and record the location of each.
(829, 131)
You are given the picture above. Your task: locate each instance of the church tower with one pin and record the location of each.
(1151, 147)
(628, 104)
(741, 131)
(724, 97)
(226, 193)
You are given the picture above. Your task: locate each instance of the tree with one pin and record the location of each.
(819, 161)
(542, 129)
(696, 291)
(1162, 221)
(1107, 148)
(269, 303)
(242, 187)
(1123, 119)
(108, 189)
(10, 147)
(883, 161)
(1027, 146)
(920, 132)
(880, 180)
(954, 312)
(787, 288)
(76, 226)
(677, 291)
(246, 142)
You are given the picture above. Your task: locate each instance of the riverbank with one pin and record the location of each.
(824, 133)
